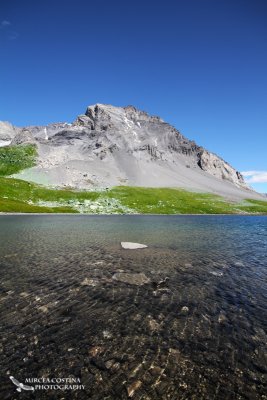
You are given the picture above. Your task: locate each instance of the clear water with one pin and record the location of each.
(200, 334)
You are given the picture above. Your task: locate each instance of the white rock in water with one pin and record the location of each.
(132, 246)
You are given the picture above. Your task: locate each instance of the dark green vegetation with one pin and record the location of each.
(15, 158)
(20, 196)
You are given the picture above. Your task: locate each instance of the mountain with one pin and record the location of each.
(109, 146)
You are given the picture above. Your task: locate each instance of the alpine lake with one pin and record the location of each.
(184, 318)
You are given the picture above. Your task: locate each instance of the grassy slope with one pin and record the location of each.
(178, 201)
(20, 196)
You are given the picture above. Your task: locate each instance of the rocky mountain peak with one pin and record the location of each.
(108, 146)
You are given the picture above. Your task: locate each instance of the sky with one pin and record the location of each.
(201, 65)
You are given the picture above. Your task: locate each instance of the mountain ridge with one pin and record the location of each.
(108, 146)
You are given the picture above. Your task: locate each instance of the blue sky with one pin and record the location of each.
(199, 64)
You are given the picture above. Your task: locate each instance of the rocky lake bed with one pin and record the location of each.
(184, 318)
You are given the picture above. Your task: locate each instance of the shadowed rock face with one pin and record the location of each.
(110, 146)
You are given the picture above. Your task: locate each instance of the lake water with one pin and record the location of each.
(183, 319)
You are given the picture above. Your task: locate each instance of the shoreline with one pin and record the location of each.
(88, 214)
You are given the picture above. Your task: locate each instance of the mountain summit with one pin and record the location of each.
(109, 146)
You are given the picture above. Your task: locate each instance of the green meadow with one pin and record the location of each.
(20, 196)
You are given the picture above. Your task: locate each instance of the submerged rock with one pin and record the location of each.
(185, 310)
(43, 309)
(95, 351)
(239, 264)
(107, 334)
(158, 285)
(222, 318)
(133, 387)
(188, 265)
(89, 282)
(216, 273)
(153, 325)
(132, 246)
(132, 279)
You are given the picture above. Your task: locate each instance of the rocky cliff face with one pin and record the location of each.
(7, 132)
(109, 145)
(157, 139)
(216, 166)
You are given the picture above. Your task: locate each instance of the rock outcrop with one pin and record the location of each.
(24, 136)
(215, 166)
(7, 133)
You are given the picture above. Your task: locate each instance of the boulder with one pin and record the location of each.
(132, 246)
(132, 279)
